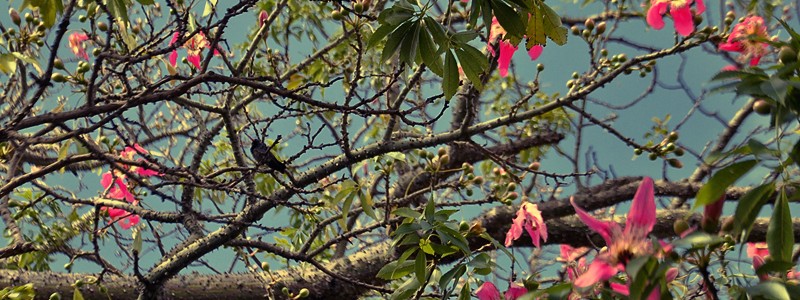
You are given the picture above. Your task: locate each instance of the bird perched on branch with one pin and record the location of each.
(263, 155)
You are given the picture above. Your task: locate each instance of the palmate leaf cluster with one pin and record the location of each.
(407, 29)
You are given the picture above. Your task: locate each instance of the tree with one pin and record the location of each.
(336, 150)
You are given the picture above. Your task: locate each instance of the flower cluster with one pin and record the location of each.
(748, 38)
(76, 44)
(506, 48)
(530, 218)
(622, 244)
(115, 187)
(679, 10)
(488, 291)
(194, 48)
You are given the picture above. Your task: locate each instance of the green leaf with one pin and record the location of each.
(455, 272)
(76, 294)
(367, 204)
(118, 9)
(137, 240)
(774, 266)
(63, 150)
(406, 212)
(395, 270)
(698, 240)
(398, 156)
(147, 2)
(407, 289)
(795, 153)
(450, 79)
(769, 290)
(393, 43)
(465, 36)
(748, 208)
(429, 53)
(380, 34)
(473, 62)
(552, 26)
(455, 238)
(430, 210)
(535, 30)
(780, 234)
(209, 7)
(420, 266)
(29, 60)
(466, 293)
(410, 45)
(722, 179)
(775, 88)
(508, 18)
(8, 63)
(399, 13)
(436, 30)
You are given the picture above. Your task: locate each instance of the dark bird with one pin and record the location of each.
(263, 156)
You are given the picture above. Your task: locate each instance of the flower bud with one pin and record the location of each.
(680, 226)
(675, 163)
(601, 28)
(303, 293)
(14, 16)
(589, 23)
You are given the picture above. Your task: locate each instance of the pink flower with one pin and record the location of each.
(506, 48)
(116, 187)
(624, 289)
(194, 47)
(574, 260)
(530, 218)
(515, 290)
(122, 217)
(680, 12)
(757, 249)
(748, 38)
(262, 18)
(622, 245)
(711, 214)
(487, 291)
(76, 41)
(128, 154)
(119, 190)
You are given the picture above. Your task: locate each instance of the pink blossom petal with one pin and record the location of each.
(599, 270)
(129, 221)
(194, 59)
(106, 179)
(757, 249)
(684, 22)
(504, 61)
(654, 15)
(487, 291)
(173, 58)
(755, 60)
(535, 51)
(620, 288)
(758, 261)
(672, 273)
(147, 172)
(731, 47)
(642, 216)
(712, 211)
(730, 68)
(701, 6)
(513, 233)
(604, 228)
(515, 291)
